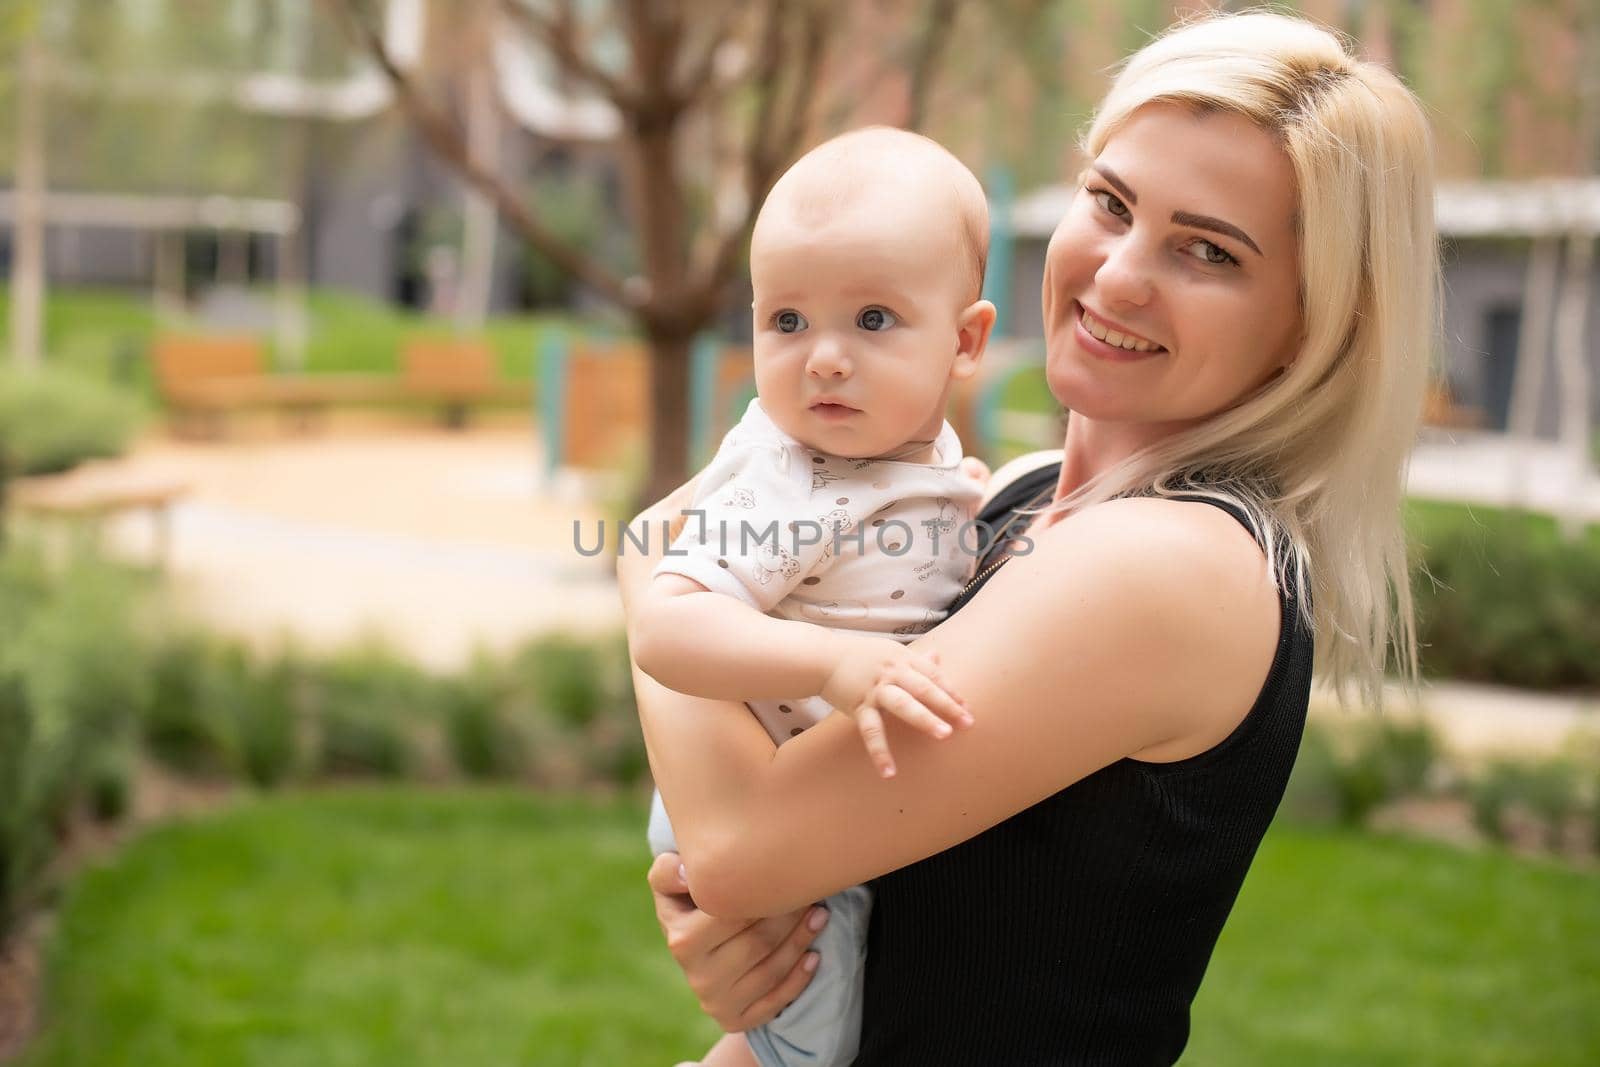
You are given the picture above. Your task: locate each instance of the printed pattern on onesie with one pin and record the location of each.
(872, 546)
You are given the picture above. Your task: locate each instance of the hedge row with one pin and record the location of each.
(93, 680)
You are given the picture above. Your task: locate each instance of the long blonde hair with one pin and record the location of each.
(1317, 456)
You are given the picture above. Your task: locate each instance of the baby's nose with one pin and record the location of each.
(828, 358)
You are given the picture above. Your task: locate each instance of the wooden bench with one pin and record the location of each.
(457, 374)
(202, 380)
(94, 493)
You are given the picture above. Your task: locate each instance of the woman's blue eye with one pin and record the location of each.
(875, 319)
(1109, 203)
(789, 321)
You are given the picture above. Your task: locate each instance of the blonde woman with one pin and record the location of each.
(1238, 312)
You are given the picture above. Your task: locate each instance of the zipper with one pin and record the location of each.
(981, 575)
(1005, 555)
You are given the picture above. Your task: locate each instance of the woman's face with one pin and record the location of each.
(1179, 251)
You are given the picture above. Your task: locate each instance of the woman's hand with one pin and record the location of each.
(744, 973)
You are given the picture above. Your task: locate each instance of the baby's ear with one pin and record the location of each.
(973, 327)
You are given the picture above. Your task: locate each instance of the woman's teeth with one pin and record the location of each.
(1105, 333)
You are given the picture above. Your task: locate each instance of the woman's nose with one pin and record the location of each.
(828, 359)
(1124, 276)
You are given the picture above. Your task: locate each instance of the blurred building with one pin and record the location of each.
(378, 214)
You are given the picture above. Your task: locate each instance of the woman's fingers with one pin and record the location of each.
(756, 966)
(766, 1008)
(666, 875)
(870, 724)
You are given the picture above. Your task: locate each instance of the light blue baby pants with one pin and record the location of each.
(822, 1028)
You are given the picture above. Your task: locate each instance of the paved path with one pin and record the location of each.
(1486, 468)
(437, 541)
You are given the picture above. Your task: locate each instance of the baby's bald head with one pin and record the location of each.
(885, 170)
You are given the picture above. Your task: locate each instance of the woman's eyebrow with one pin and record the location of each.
(1206, 222)
(1182, 218)
(1117, 183)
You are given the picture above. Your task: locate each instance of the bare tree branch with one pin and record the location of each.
(699, 79)
(774, 139)
(560, 35)
(813, 47)
(450, 144)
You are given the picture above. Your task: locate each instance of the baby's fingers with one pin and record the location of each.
(930, 689)
(870, 723)
(898, 701)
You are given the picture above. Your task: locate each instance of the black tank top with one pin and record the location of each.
(1077, 931)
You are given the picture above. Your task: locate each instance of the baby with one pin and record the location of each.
(838, 500)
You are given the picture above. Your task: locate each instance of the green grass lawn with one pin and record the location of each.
(392, 927)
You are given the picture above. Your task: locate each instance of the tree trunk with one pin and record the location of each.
(481, 219)
(667, 460)
(28, 267)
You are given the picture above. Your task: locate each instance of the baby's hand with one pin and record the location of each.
(976, 469)
(877, 675)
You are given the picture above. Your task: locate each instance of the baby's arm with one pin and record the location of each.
(711, 645)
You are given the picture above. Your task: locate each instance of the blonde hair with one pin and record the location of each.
(1317, 456)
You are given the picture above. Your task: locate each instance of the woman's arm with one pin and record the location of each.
(1150, 625)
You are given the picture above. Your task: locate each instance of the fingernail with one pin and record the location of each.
(943, 729)
(888, 772)
(818, 919)
(809, 964)
(683, 874)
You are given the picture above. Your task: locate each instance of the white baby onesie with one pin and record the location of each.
(904, 546)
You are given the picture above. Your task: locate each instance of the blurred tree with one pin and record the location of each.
(148, 97)
(711, 100)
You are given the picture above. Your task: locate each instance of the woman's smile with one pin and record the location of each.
(1102, 339)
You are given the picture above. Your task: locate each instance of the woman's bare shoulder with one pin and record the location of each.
(1188, 578)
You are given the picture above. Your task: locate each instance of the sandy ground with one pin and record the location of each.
(438, 541)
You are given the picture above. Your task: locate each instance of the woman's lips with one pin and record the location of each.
(1100, 349)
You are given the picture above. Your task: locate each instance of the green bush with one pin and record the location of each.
(1502, 598)
(266, 714)
(481, 743)
(1345, 777)
(108, 787)
(51, 420)
(1491, 792)
(567, 676)
(186, 728)
(1546, 789)
(367, 704)
(72, 688)
(1550, 789)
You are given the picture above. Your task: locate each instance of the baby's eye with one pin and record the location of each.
(1109, 203)
(1212, 253)
(789, 321)
(875, 319)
